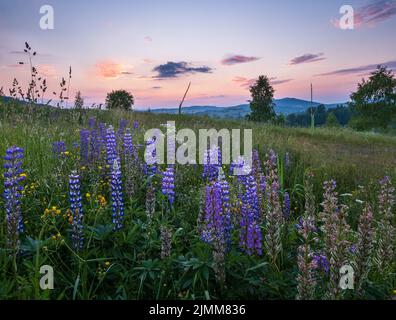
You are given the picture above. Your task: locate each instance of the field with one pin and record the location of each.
(280, 233)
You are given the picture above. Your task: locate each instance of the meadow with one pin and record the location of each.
(114, 228)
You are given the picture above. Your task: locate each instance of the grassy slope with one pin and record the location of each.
(351, 158)
(348, 156)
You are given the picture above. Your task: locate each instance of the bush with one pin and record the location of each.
(119, 99)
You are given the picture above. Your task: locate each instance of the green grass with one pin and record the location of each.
(134, 268)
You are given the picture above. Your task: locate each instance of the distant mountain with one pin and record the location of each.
(285, 106)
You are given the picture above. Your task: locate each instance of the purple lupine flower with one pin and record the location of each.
(77, 210)
(152, 168)
(211, 164)
(111, 146)
(168, 184)
(122, 127)
(320, 262)
(95, 145)
(84, 145)
(128, 143)
(225, 199)
(91, 123)
(213, 229)
(120, 134)
(250, 232)
(13, 193)
(286, 205)
(135, 125)
(117, 198)
(58, 147)
(103, 132)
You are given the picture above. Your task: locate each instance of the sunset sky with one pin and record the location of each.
(155, 48)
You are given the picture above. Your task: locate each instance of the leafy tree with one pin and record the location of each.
(119, 99)
(79, 101)
(262, 105)
(331, 120)
(375, 100)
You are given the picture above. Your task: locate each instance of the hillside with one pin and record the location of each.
(285, 106)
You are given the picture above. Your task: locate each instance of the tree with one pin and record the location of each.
(375, 100)
(119, 99)
(331, 120)
(78, 101)
(262, 105)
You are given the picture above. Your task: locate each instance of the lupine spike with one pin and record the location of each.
(77, 211)
(117, 199)
(168, 184)
(12, 194)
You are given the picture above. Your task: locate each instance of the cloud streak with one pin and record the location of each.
(237, 59)
(176, 69)
(360, 69)
(247, 83)
(372, 14)
(307, 58)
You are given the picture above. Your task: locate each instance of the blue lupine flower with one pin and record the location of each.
(111, 146)
(321, 262)
(117, 198)
(13, 193)
(168, 184)
(77, 210)
(84, 145)
(58, 147)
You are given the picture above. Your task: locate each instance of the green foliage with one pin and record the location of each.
(262, 105)
(303, 119)
(119, 99)
(331, 120)
(375, 100)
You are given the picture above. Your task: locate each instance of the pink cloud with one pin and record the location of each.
(244, 82)
(236, 59)
(247, 83)
(110, 70)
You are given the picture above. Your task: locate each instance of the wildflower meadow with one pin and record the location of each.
(79, 197)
